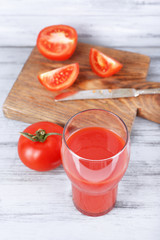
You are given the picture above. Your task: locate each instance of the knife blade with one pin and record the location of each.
(104, 94)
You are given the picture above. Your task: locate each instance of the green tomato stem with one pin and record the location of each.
(39, 136)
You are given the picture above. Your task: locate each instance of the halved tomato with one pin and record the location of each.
(57, 42)
(60, 78)
(103, 65)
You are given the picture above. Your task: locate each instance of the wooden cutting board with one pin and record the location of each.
(30, 102)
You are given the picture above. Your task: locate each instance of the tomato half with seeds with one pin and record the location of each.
(103, 65)
(57, 42)
(60, 78)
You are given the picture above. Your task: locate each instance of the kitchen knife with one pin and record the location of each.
(104, 94)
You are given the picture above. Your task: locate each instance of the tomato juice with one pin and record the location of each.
(95, 159)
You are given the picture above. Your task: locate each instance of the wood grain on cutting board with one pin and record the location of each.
(29, 101)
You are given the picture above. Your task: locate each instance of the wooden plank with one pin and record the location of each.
(138, 7)
(93, 31)
(15, 57)
(108, 23)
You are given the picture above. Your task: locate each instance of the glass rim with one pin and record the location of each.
(93, 109)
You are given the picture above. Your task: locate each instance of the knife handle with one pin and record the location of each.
(149, 91)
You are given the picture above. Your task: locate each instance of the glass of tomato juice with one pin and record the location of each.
(95, 155)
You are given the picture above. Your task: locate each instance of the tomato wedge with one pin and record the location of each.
(57, 42)
(103, 65)
(60, 78)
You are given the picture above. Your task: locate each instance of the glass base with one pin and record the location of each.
(94, 214)
(94, 205)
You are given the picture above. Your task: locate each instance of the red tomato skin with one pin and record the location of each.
(112, 69)
(67, 84)
(61, 57)
(37, 155)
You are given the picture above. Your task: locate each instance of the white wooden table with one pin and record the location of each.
(36, 205)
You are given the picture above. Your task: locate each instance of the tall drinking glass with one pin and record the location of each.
(95, 155)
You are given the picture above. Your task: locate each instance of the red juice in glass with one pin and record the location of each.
(95, 158)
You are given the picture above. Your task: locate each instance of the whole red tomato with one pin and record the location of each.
(39, 147)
